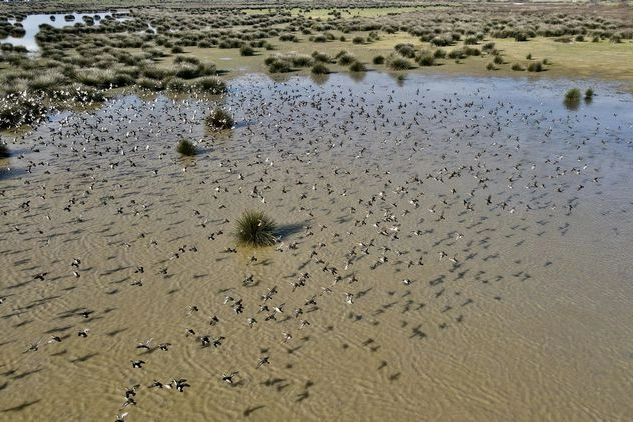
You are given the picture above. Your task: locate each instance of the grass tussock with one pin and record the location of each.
(254, 228)
(186, 147)
(220, 118)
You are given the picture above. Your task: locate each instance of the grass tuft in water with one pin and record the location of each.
(254, 228)
(219, 118)
(186, 147)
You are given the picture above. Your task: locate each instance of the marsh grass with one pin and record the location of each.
(397, 62)
(186, 147)
(219, 118)
(212, 84)
(572, 99)
(254, 228)
(357, 67)
(320, 68)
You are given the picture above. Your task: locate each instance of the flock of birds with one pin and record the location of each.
(394, 205)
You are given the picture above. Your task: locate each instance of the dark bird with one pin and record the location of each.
(180, 384)
(229, 377)
(137, 363)
(263, 361)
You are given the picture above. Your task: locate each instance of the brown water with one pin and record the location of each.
(510, 215)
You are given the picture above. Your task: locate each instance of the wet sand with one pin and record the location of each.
(508, 216)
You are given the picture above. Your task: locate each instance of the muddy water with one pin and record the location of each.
(509, 215)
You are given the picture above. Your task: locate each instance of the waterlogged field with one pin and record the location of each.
(449, 249)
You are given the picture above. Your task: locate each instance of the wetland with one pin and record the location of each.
(452, 242)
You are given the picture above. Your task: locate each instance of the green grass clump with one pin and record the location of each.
(212, 84)
(397, 62)
(517, 67)
(572, 99)
(254, 228)
(247, 50)
(220, 119)
(588, 94)
(535, 67)
(572, 95)
(345, 59)
(186, 147)
(426, 59)
(357, 67)
(320, 68)
(379, 59)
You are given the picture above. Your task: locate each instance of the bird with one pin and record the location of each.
(137, 363)
(180, 384)
(83, 333)
(164, 346)
(145, 345)
(131, 391)
(349, 298)
(262, 361)
(228, 378)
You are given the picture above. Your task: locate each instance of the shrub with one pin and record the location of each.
(572, 99)
(535, 67)
(247, 50)
(358, 40)
(406, 50)
(426, 58)
(321, 57)
(518, 67)
(178, 84)
(379, 59)
(219, 119)
(498, 60)
(254, 228)
(491, 66)
(357, 67)
(4, 151)
(288, 37)
(186, 147)
(398, 63)
(439, 53)
(320, 68)
(572, 95)
(345, 58)
(301, 60)
(212, 84)
(277, 65)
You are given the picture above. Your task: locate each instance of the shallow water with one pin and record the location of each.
(31, 25)
(510, 214)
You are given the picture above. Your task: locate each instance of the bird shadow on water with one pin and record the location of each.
(20, 407)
